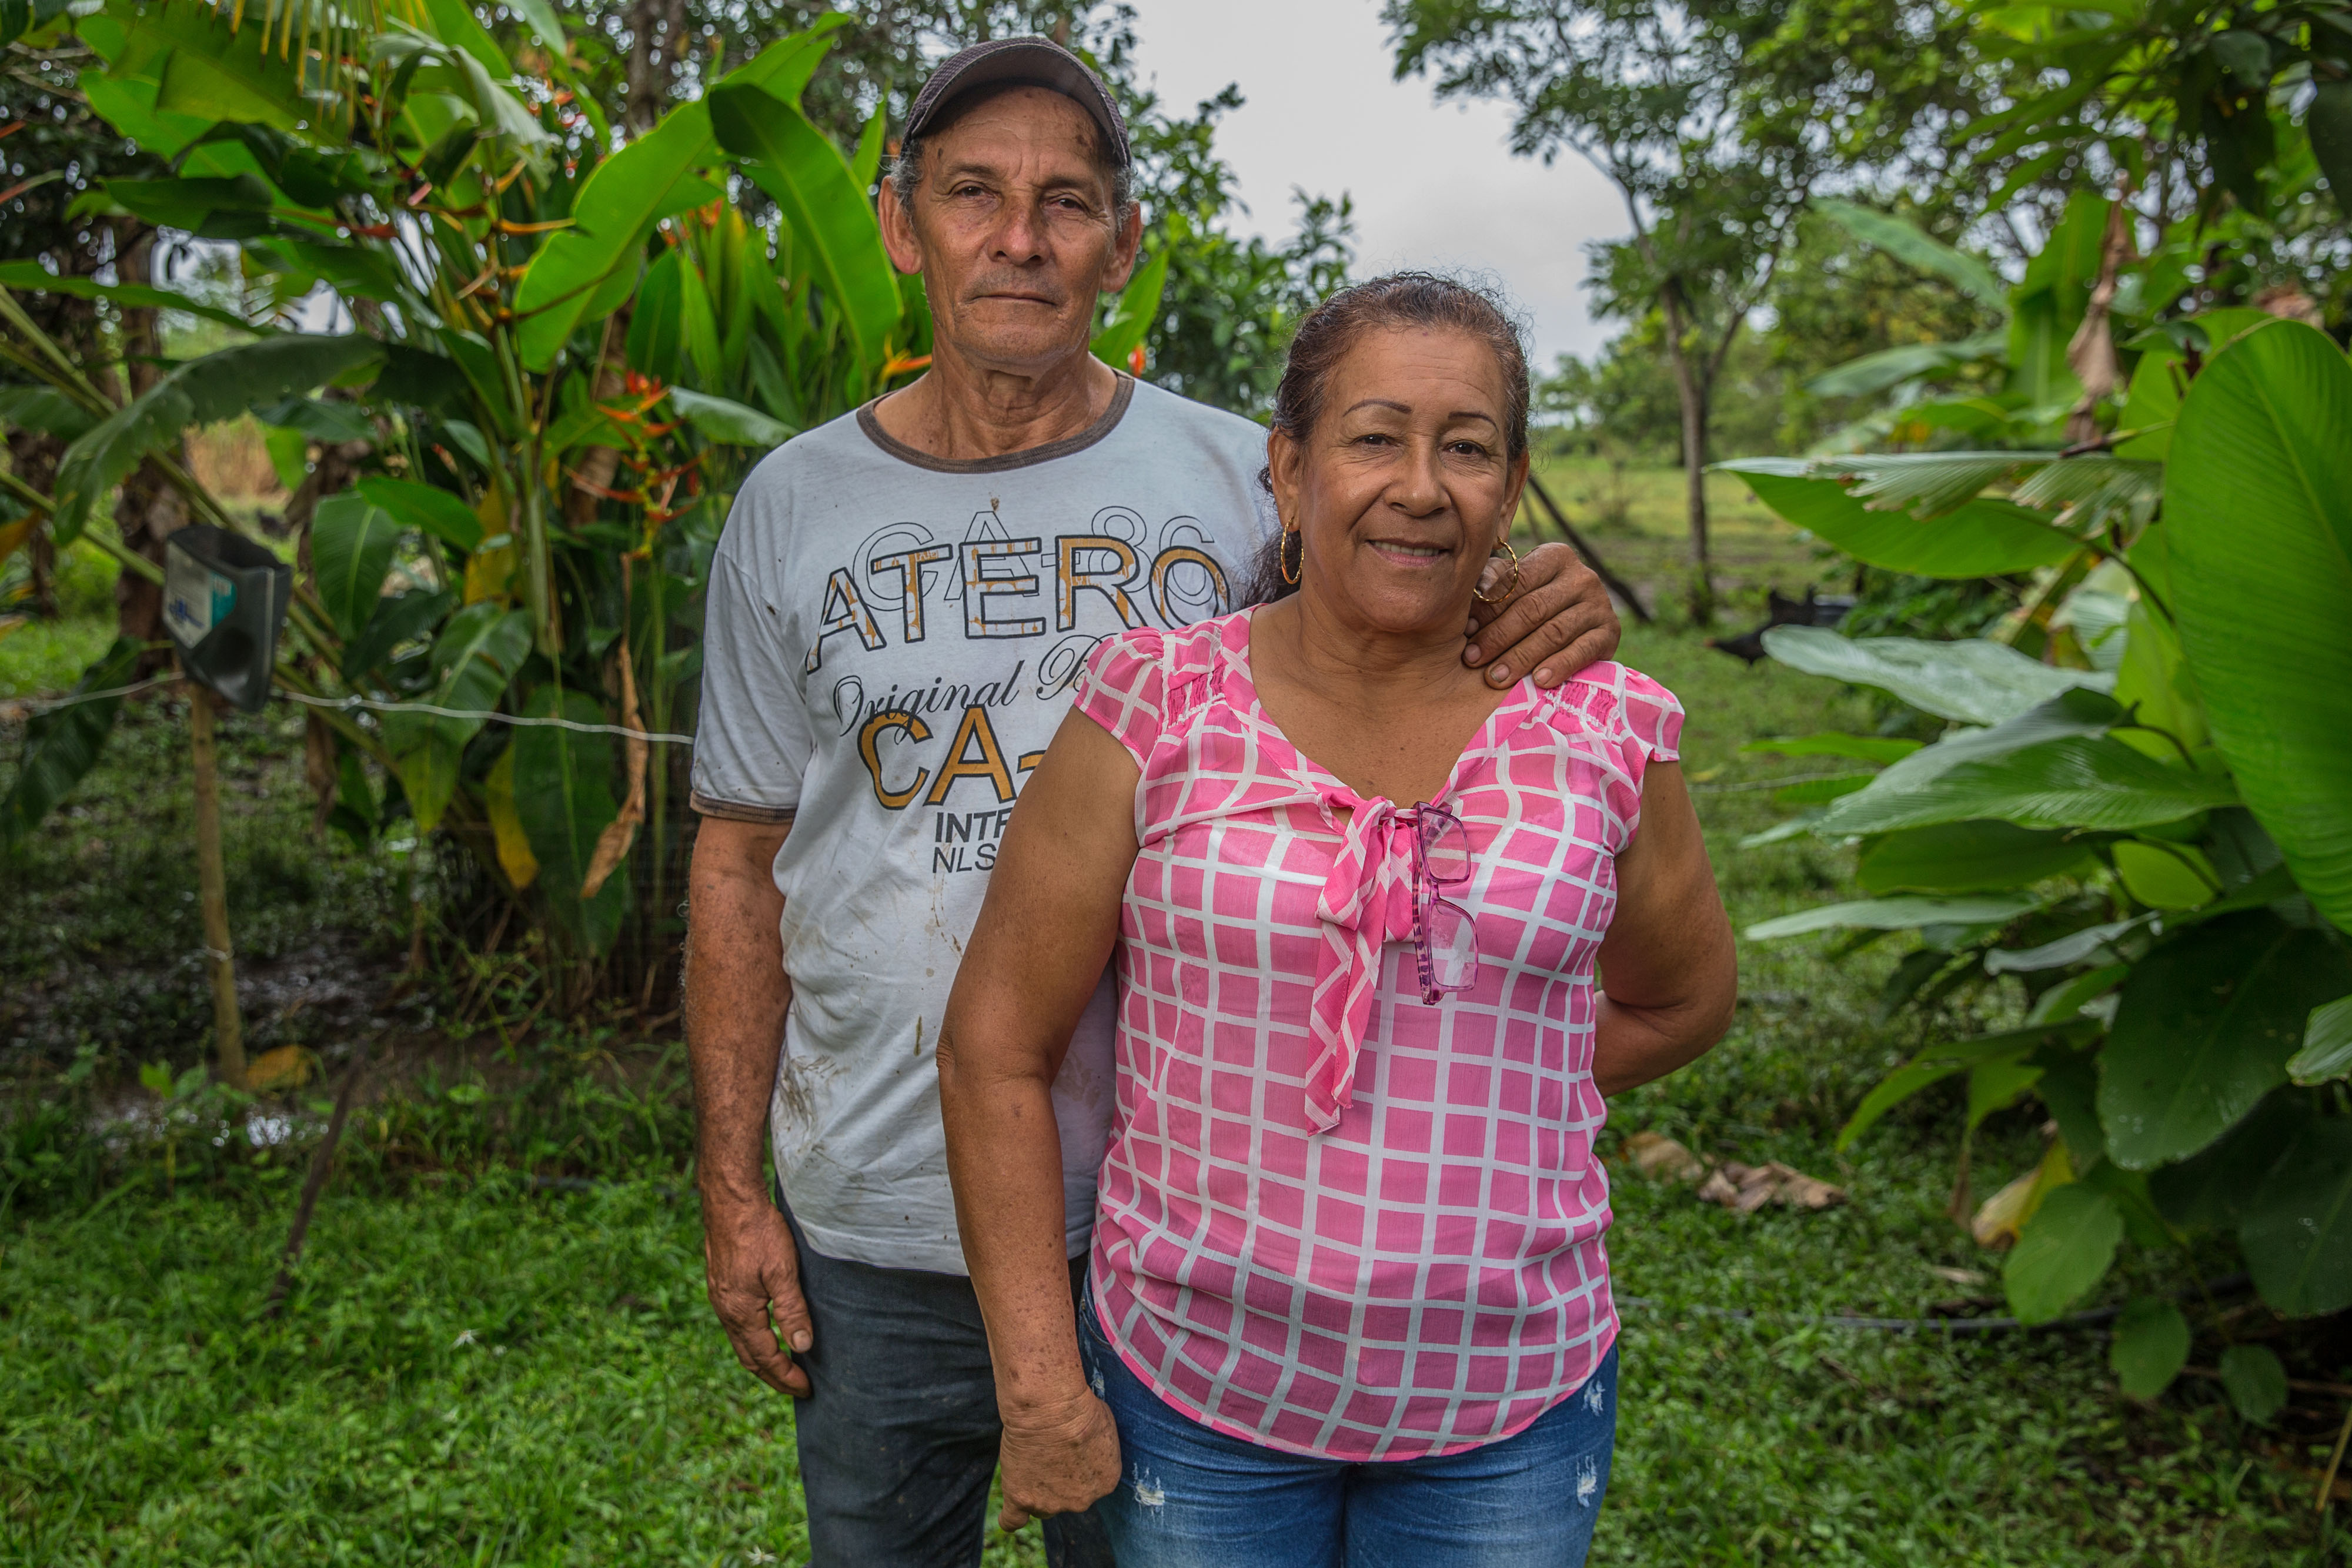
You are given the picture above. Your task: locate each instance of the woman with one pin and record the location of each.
(1347, 1299)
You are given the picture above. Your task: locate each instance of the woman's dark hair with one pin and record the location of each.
(1407, 300)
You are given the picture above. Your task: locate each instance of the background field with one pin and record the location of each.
(498, 1352)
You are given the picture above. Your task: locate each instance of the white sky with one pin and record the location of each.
(1434, 184)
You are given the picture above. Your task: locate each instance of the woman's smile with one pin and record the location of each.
(1409, 556)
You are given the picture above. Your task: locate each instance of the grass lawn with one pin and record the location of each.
(474, 1369)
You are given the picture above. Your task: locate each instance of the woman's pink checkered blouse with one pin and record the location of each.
(1335, 1220)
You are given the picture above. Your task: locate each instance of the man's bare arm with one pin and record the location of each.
(1558, 620)
(736, 998)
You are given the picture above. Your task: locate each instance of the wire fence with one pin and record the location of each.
(34, 707)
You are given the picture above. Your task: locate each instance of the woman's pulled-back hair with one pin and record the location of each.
(1399, 301)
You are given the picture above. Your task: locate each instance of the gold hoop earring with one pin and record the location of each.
(1290, 573)
(1496, 599)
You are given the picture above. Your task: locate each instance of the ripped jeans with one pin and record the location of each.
(1193, 1498)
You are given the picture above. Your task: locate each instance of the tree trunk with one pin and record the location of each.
(33, 457)
(148, 510)
(657, 42)
(1692, 391)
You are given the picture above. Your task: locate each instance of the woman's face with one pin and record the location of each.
(1405, 485)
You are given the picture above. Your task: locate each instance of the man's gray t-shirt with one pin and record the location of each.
(891, 642)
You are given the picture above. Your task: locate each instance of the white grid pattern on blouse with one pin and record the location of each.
(1429, 1274)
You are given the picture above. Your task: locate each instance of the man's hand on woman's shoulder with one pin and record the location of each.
(1558, 621)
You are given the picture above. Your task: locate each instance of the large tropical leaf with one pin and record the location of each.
(563, 796)
(1927, 484)
(1897, 915)
(477, 653)
(2094, 782)
(798, 166)
(1908, 243)
(30, 276)
(2258, 523)
(725, 421)
(1973, 681)
(2090, 486)
(2204, 1029)
(2297, 1228)
(208, 69)
(1131, 319)
(434, 511)
(204, 391)
(1885, 368)
(2047, 306)
(63, 743)
(629, 191)
(621, 199)
(1968, 857)
(1983, 538)
(352, 544)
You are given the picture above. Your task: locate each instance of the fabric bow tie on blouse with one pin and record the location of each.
(1367, 903)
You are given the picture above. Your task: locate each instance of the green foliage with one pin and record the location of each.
(351, 545)
(2255, 1381)
(1979, 681)
(569, 354)
(2065, 1248)
(2150, 1346)
(63, 743)
(201, 392)
(2258, 527)
(566, 804)
(2095, 844)
(809, 180)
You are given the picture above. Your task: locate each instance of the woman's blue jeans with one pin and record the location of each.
(1193, 1498)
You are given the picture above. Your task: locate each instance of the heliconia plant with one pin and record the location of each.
(563, 353)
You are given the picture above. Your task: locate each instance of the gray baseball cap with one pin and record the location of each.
(1032, 62)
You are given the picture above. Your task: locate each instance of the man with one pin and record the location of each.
(897, 609)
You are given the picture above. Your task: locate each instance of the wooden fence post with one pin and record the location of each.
(212, 888)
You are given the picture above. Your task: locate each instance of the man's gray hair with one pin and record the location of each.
(906, 168)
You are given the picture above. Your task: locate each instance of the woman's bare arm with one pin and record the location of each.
(1044, 935)
(1668, 973)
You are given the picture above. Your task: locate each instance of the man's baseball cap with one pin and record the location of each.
(1027, 62)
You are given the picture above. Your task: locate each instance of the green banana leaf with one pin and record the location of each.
(351, 545)
(1131, 319)
(563, 796)
(625, 195)
(199, 391)
(475, 655)
(29, 277)
(829, 213)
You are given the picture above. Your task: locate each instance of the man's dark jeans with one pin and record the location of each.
(899, 1440)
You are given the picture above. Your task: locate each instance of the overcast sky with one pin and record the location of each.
(1434, 184)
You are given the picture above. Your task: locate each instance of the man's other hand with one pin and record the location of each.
(1556, 622)
(753, 1274)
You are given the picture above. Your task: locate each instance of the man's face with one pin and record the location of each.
(1012, 230)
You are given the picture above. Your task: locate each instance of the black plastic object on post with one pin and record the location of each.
(224, 600)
